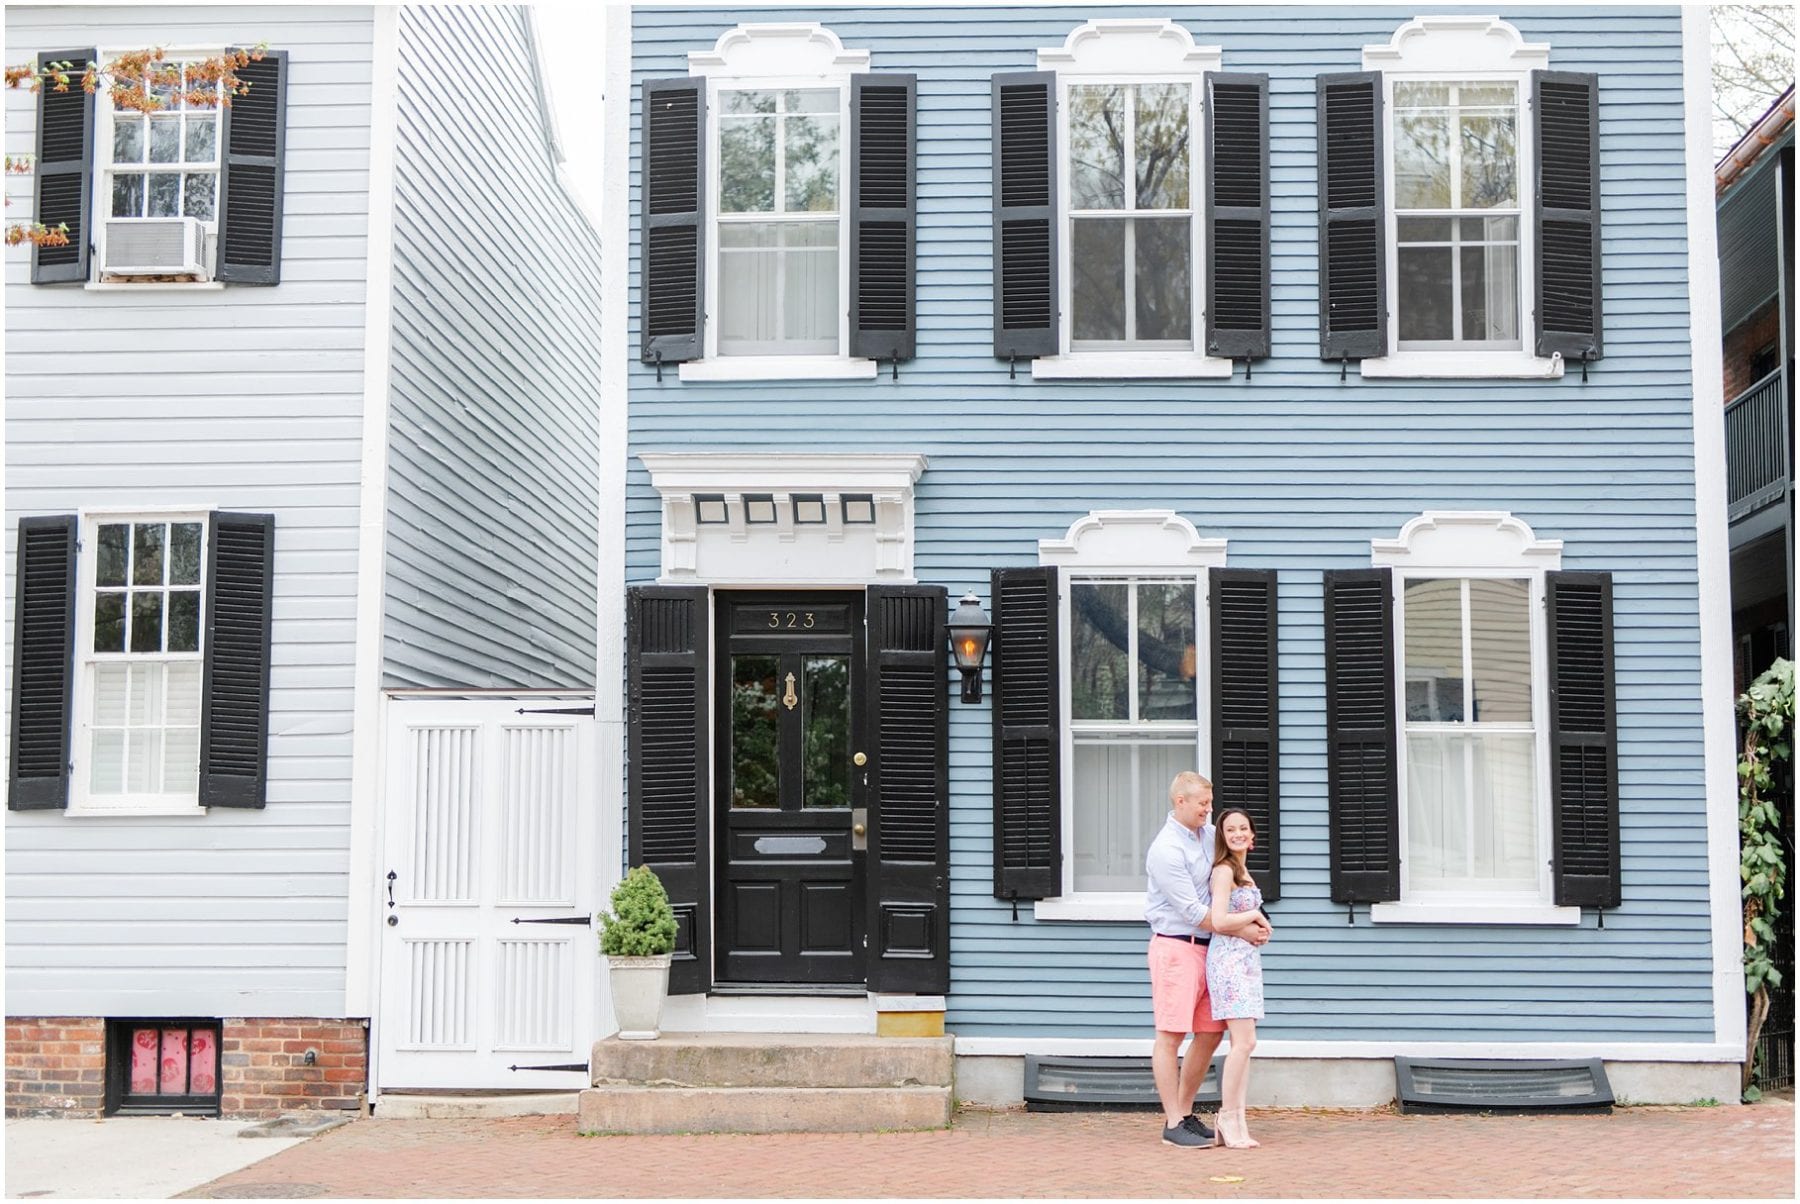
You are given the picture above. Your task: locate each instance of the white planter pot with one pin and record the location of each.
(639, 986)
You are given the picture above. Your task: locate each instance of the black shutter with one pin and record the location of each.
(1237, 216)
(909, 790)
(1584, 740)
(43, 663)
(252, 175)
(666, 731)
(64, 169)
(1025, 296)
(1352, 235)
(1565, 114)
(1361, 754)
(1027, 734)
(674, 232)
(234, 699)
(883, 213)
(1246, 761)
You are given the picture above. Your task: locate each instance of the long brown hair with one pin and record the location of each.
(1224, 856)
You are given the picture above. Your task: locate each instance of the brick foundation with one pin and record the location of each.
(56, 1066)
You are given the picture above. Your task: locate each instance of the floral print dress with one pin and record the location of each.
(1234, 966)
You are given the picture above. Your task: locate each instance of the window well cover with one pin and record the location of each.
(1453, 1085)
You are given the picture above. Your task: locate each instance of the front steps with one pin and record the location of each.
(768, 1083)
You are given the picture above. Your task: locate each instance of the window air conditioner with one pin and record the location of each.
(155, 246)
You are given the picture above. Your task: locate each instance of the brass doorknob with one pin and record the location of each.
(859, 829)
(860, 759)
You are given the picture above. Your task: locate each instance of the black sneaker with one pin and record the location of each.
(1183, 1134)
(1193, 1121)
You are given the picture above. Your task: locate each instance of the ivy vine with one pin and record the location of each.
(1765, 784)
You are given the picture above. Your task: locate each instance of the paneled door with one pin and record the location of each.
(489, 960)
(789, 790)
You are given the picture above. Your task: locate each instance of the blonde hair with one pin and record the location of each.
(1187, 782)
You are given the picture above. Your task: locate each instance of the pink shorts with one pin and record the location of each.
(1178, 987)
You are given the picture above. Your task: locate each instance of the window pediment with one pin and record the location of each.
(1442, 44)
(1130, 46)
(1132, 539)
(1459, 540)
(791, 50)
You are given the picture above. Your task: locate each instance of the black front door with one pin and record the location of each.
(789, 788)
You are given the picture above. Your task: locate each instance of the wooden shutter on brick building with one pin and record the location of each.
(1246, 760)
(1027, 734)
(673, 262)
(234, 694)
(1360, 731)
(909, 790)
(1584, 741)
(1237, 215)
(43, 663)
(667, 822)
(64, 168)
(883, 213)
(1352, 234)
(1565, 113)
(1025, 233)
(253, 149)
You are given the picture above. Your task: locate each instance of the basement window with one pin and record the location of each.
(161, 1067)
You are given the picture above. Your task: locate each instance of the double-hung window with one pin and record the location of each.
(166, 163)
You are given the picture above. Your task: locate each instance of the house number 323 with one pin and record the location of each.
(792, 618)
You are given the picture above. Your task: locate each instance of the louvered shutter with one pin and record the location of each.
(234, 695)
(64, 169)
(666, 779)
(1027, 734)
(1565, 111)
(252, 175)
(1025, 234)
(1246, 760)
(909, 790)
(883, 211)
(674, 232)
(1584, 745)
(1360, 730)
(43, 663)
(1352, 234)
(1237, 216)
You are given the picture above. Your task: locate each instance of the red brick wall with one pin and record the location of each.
(1744, 342)
(57, 1065)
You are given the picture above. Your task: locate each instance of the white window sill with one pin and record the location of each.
(1129, 365)
(1474, 913)
(1464, 365)
(1114, 908)
(162, 810)
(155, 286)
(779, 367)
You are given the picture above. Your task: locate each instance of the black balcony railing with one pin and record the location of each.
(1757, 470)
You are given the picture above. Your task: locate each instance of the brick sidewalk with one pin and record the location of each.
(1720, 1152)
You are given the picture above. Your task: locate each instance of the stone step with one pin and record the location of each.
(627, 1109)
(774, 1060)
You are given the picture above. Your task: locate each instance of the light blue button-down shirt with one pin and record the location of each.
(1179, 869)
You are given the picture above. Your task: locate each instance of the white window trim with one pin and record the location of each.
(100, 207)
(776, 56)
(81, 803)
(1464, 49)
(1118, 543)
(1132, 51)
(1476, 544)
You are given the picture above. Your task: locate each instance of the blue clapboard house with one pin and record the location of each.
(1308, 396)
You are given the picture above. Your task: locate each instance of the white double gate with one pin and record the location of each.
(490, 970)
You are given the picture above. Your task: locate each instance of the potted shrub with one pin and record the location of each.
(637, 936)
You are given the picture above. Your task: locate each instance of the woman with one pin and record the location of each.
(1234, 968)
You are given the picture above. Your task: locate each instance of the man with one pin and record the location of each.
(1179, 868)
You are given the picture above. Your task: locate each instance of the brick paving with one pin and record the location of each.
(1694, 1152)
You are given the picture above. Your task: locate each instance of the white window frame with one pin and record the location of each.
(1132, 51)
(1461, 49)
(81, 743)
(100, 210)
(1110, 545)
(1475, 544)
(774, 57)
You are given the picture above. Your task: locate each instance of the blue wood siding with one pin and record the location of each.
(1300, 471)
(493, 488)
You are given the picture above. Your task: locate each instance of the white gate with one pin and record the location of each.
(489, 880)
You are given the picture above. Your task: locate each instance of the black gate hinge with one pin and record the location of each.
(554, 711)
(571, 1067)
(584, 921)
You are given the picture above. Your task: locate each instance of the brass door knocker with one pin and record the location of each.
(790, 700)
